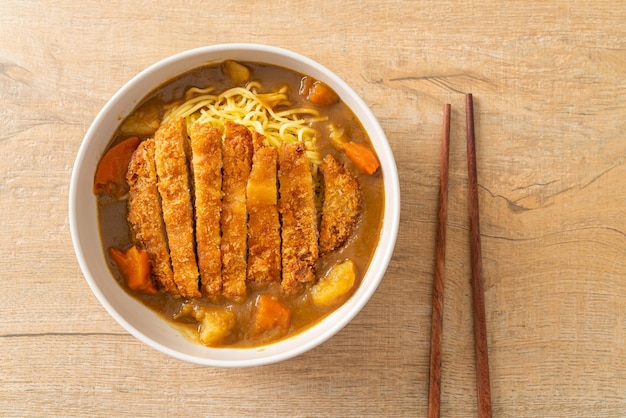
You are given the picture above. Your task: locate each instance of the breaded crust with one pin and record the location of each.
(144, 214)
(173, 185)
(206, 166)
(298, 217)
(263, 219)
(341, 204)
(258, 141)
(237, 158)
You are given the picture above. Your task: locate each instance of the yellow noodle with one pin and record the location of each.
(248, 107)
(196, 91)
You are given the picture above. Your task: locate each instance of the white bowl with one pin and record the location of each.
(142, 322)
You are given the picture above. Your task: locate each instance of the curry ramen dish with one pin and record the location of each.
(241, 201)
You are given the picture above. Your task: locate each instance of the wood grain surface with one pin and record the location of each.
(549, 86)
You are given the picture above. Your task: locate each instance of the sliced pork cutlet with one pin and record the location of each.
(341, 204)
(263, 219)
(298, 217)
(258, 141)
(173, 185)
(206, 165)
(237, 158)
(145, 217)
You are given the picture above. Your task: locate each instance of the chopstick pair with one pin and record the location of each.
(480, 329)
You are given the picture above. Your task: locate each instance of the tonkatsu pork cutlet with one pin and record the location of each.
(341, 204)
(298, 215)
(258, 141)
(206, 165)
(237, 158)
(263, 220)
(144, 214)
(173, 185)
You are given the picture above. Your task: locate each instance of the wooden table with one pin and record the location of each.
(549, 86)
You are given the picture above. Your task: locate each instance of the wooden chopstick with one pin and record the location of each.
(436, 331)
(480, 328)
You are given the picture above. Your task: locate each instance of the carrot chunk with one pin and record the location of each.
(362, 156)
(317, 92)
(134, 264)
(110, 175)
(322, 95)
(270, 313)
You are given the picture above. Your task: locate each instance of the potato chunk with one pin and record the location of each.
(238, 73)
(145, 121)
(331, 290)
(215, 325)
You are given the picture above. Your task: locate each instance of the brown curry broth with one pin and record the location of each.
(360, 247)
